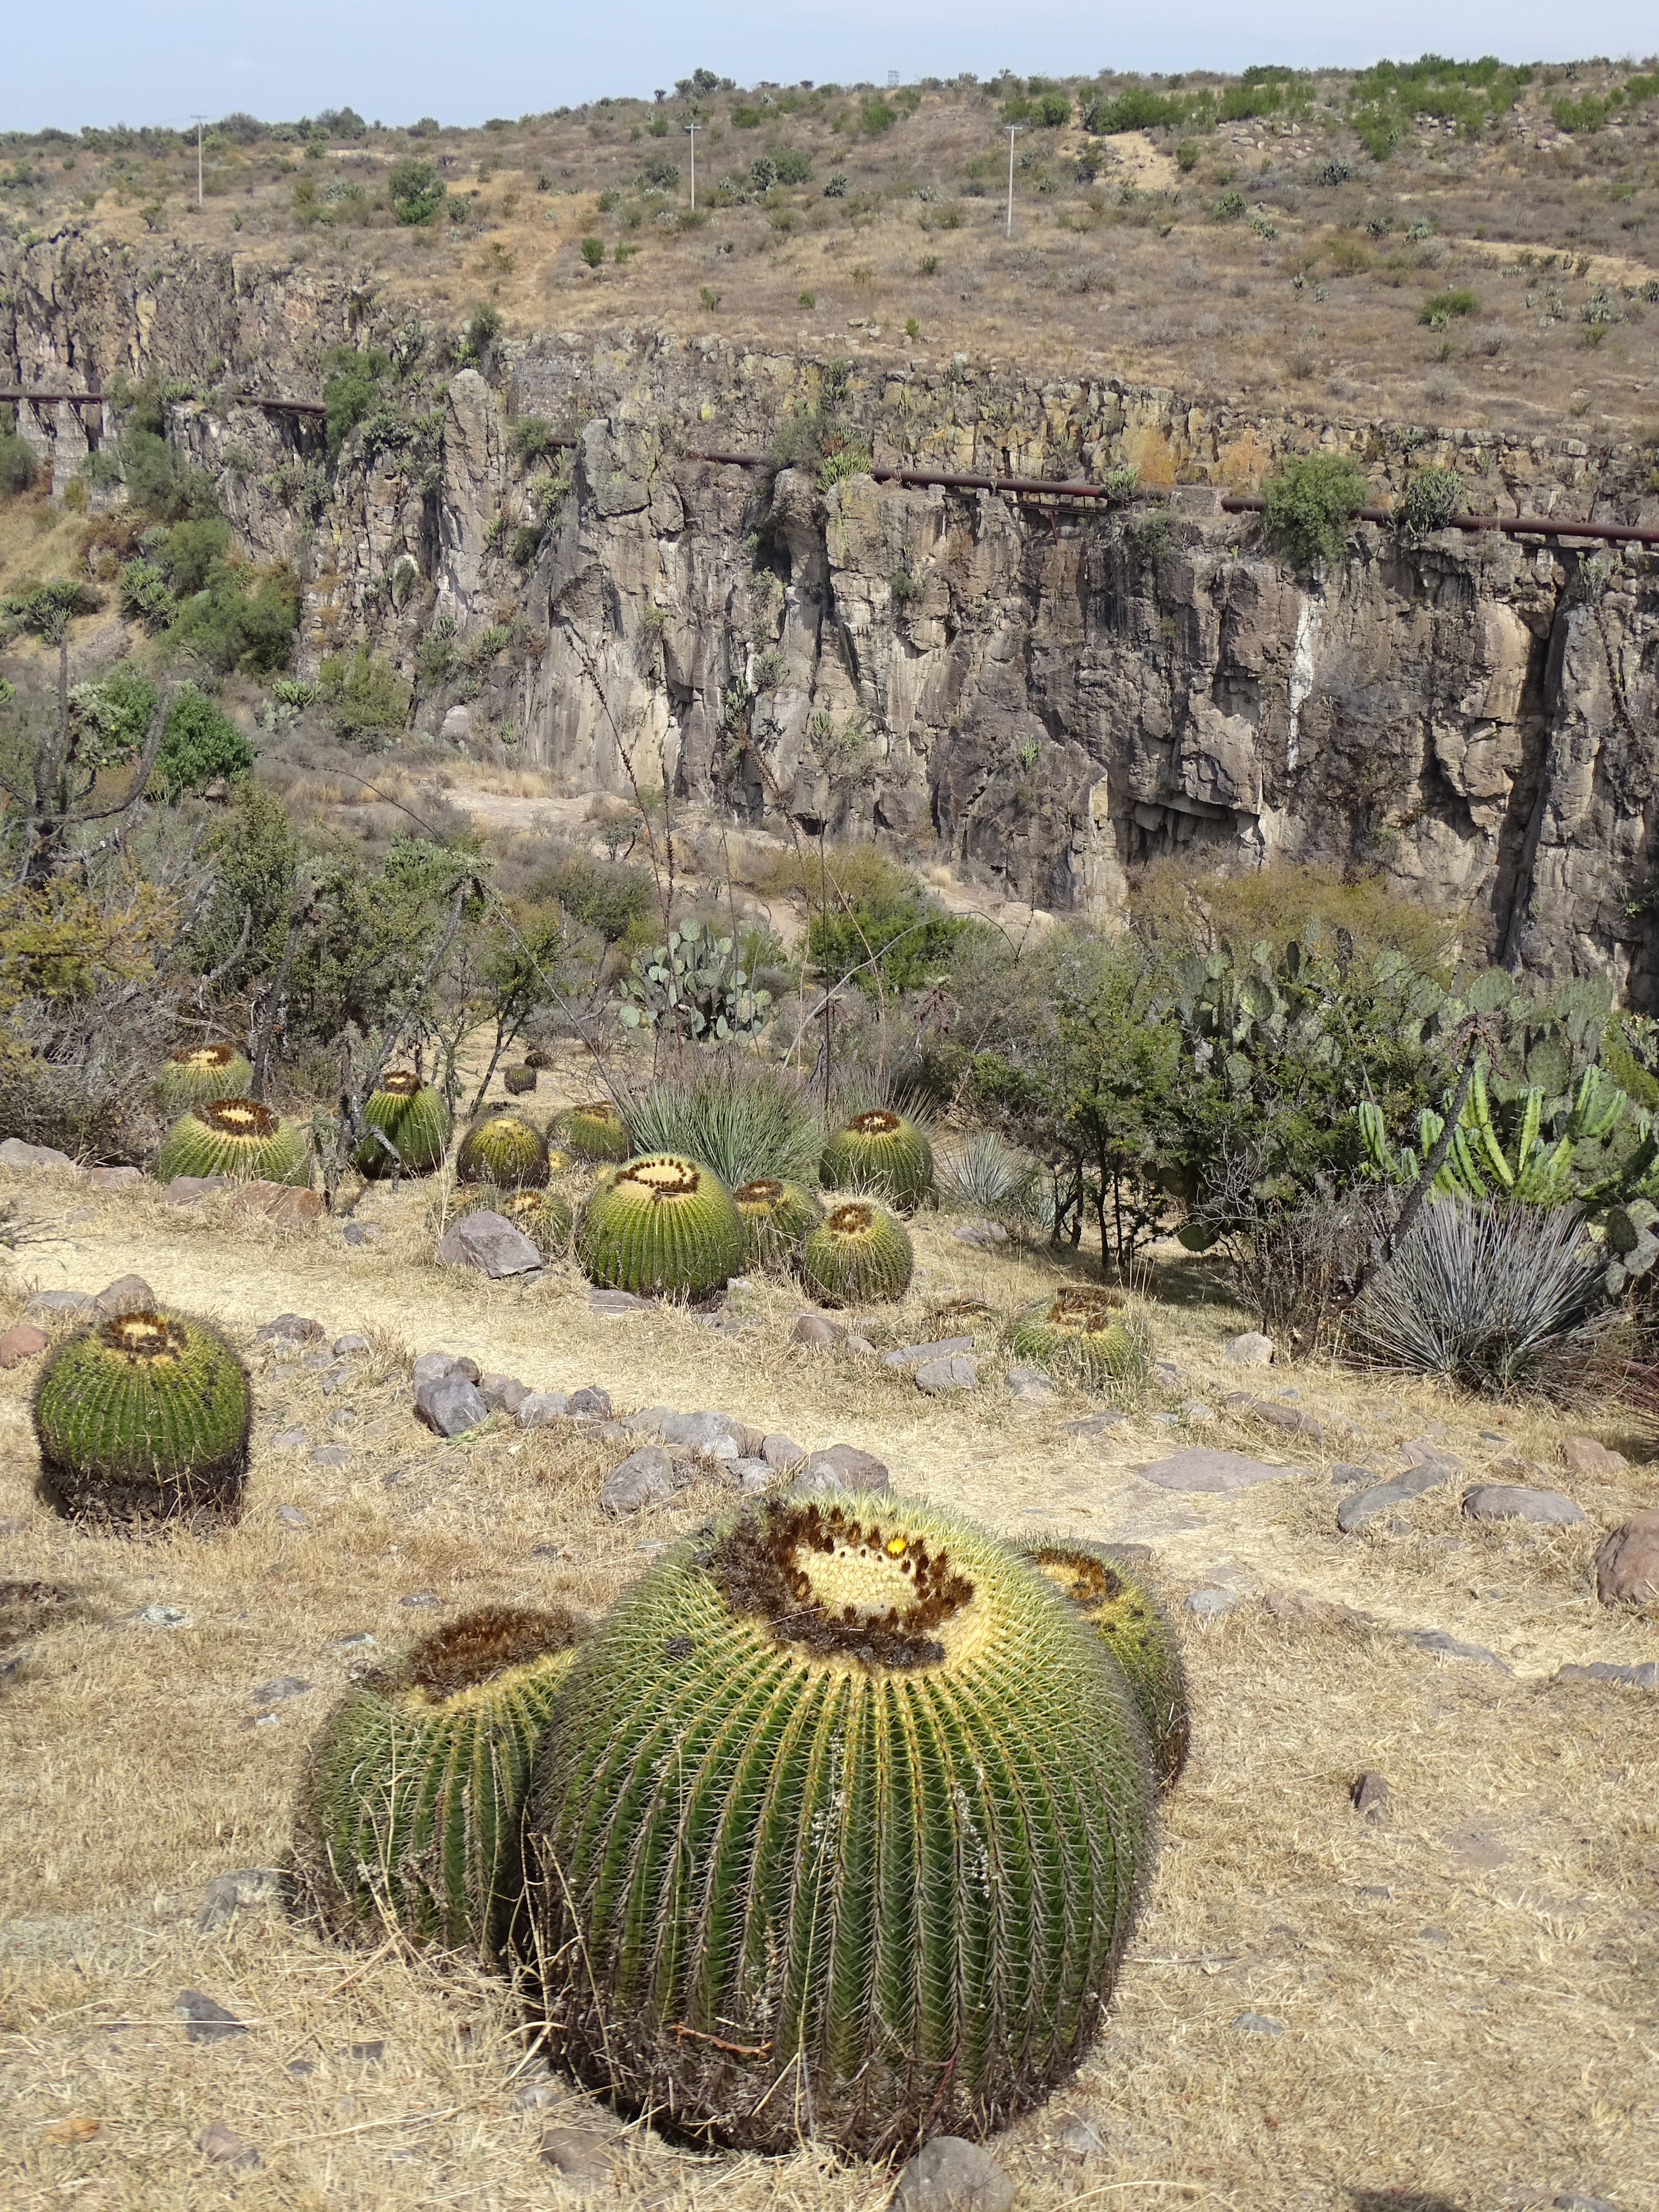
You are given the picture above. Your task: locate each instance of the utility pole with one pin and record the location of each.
(691, 132)
(198, 120)
(1013, 128)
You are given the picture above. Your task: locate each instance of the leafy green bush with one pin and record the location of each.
(367, 698)
(199, 743)
(227, 625)
(146, 593)
(191, 551)
(592, 251)
(16, 465)
(1229, 207)
(604, 895)
(1309, 504)
(794, 166)
(1443, 307)
(416, 191)
(351, 391)
(891, 922)
(875, 117)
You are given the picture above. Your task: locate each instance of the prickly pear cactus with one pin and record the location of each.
(660, 1223)
(410, 1814)
(857, 1254)
(414, 1118)
(883, 1153)
(237, 1138)
(1118, 1605)
(595, 1131)
(144, 1417)
(1090, 1336)
(504, 1150)
(199, 1072)
(776, 1216)
(838, 1827)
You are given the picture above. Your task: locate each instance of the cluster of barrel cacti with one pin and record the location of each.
(838, 1825)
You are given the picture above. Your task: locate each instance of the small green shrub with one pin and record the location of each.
(606, 896)
(1309, 504)
(418, 193)
(351, 392)
(1443, 307)
(199, 743)
(16, 465)
(593, 251)
(366, 697)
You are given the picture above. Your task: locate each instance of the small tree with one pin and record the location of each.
(1309, 505)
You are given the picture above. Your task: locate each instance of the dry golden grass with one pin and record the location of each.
(1465, 1994)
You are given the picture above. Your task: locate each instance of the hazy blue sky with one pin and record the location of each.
(143, 61)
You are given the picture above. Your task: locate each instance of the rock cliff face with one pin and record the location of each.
(1057, 695)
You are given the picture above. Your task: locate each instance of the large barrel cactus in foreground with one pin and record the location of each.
(660, 1223)
(776, 1215)
(1118, 1605)
(410, 1813)
(234, 1137)
(883, 1153)
(416, 1119)
(201, 1072)
(504, 1150)
(856, 1255)
(837, 1830)
(144, 1417)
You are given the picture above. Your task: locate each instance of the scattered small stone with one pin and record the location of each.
(1165, 1420)
(843, 1466)
(361, 1232)
(1169, 1374)
(285, 1686)
(753, 1476)
(1081, 2139)
(434, 1366)
(698, 1432)
(779, 1452)
(328, 1455)
(1585, 1456)
(353, 1340)
(733, 1324)
(221, 2146)
(452, 1405)
(1348, 1474)
(578, 2156)
(860, 1347)
(292, 1440)
(22, 1342)
(113, 1178)
(590, 1404)
(983, 1233)
(936, 1378)
(1643, 1677)
(1252, 1349)
(538, 1407)
(1195, 1410)
(289, 1328)
(420, 1598)
(354, 1639)
(1200, 1468)
(126, 1294)
(1371, 1798)
(909, 1355)
(161, 1616)
(1207, 1604)
(1478, 1845)
(1425, 1451)
(1512, 1501)
(369, 2053)
(206, 2022)
(15, 1153)
(536, 2096)
(1300, 1609)
(189, 1190)
(291, 1516)
(60, 1305)
(1360, 1506)
(1627, 1563)
(1449, 1647)
(397, 1476)
(1574, 2202)
(952, 2175)
(614, 1303)
(1258, 2023)
(1095, 1425)
(724, 1450)
(503, 1394)
(227, 1894)
(813, 1329)
(644, 1476)
(1276, 1416)
(491, 1244)
(1436, 1936)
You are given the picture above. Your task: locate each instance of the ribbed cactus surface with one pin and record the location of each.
(544, 1217)
(837, 1830)
(201, 1072)
(1120, 1605)
(414, 1116)
(856, 1253)
(142, 1418)
(883, 1153)
(1093, 1336)
(660, 1223)
(595, 1131)
(776, 1216)
(505, 1150)
(410, 1813)
(234, 1137)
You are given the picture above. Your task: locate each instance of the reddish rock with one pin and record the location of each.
(112, 1178)
(285, 1205)
(1628, 1565)
(22, 1343)
(1584, 1456)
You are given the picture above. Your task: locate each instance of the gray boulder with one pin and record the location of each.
(642, 1478)
(451, 1406)
(779, 1451)
(912, 1355)
(952, 2175)
(813, 1329)
(843, 1466)
(1360, 1506)
(1252, 1349)
(1200, 1469)
(15, 1153)
(538, 1407)
(937, 1377)
(490, 1244)
(1517, 1501)
(503, 1394)
(126, 1294)
(286, 1329)
(65, 1305)
(590, 1404)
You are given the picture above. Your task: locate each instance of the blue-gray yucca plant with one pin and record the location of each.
(742, 1117)
(1502, 1299)
(987, 1173)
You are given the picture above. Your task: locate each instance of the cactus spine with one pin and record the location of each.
(595, 1131)
(237, 1138)
(883, 1153)
(1118, 1605)
(199, 1072)
(776, 1215)
(660, 1223)
(1090, 1336)
(839, 1825)
(411, 1811)
(503, 1149)
(414, 1118)
(144, 1417)
(856, 1253)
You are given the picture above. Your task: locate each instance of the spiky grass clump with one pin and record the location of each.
(776, 1216)
(144, 1417)
(986, 1172)
(855, 1254)
(1498, 1298)
(596, 1131)
(234, 1137)
(503, 1149)
(837, 1830)
(883, 1153)
(660, 1223)
(745, 1117)
(201, 1072)
(544, 1217)
(1095, 1337)
(414, 1116)
(411, 1813)
(1118, 1605)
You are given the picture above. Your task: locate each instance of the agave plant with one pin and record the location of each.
(984, 1171)
(838, 1826)
(743, 1117)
